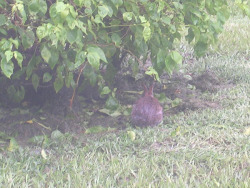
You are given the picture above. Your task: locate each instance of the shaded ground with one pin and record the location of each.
(38, 116)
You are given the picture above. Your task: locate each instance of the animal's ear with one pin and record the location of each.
(151, 89)
(145, 89)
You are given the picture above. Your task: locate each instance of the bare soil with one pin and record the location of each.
(43, 112)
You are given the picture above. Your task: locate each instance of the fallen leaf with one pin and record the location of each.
(29, 121)
(57, 135)
(110, 113)
(131, 135)
(13, 145)
(247, 131)
(43, 153)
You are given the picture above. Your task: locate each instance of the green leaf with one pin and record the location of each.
(110, 13)
(19, 57)
(40, 140)
(160, 60)
(103, 11)
(45, 53)
(7, 67)
(90, 29)
(28, 38)
(176, 57)
(146, 33)
(41, 32)
(43, 6)
(54, 58)
(112, 103)
(80, 58)
(58, 84)
(47, 77)
(103, 34)
(105, 90)
(8, 55)
(223, 14)
(127, 16)
(69, 79)
(3, 31)
(33, 6)
(200, 48)
(116, 39)
(173, 60)
(110, 51)
(152, 72)
(13, 145)
(56, 18)
(196, 32)
(72, 35)
(19, 95)
(72, 11)
(111, 113)
(65, 14)
(21, 9)
(166, 20)
(2, 19)
(190, 36)
(176, 102)
(117, 3)
(15, 42)
(94, 59)
(90, 74)
(71, 22)
(35, 81)
(99, 51)
(98, 20)
(60, 6)
(16, 95)
(35, 60)
(143, 19)
(131, 135)
(57, 135)
(5, 45)
(81, 26)
(79, 2)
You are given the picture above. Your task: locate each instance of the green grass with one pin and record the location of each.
(210, 148)
(236, 37)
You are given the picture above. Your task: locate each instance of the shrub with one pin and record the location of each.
(48, 41)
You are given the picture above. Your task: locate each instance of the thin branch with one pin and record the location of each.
(77, 81)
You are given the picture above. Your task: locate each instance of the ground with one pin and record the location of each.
(202, 142)
(183, 93)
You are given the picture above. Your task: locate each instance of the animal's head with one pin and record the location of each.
(148, 91)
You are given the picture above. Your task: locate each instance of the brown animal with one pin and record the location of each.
(147, 111)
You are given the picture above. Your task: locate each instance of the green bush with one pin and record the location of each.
(48, 41)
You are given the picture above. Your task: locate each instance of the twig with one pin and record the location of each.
(77, 81)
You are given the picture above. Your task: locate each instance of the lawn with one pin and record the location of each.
(202, 148)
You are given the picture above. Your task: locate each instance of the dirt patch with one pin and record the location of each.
(39, 118)
(189, 88)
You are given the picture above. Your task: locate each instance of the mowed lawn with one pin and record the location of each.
(204, 148)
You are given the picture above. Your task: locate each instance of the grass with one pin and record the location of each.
(206, 148)
(236, 36)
